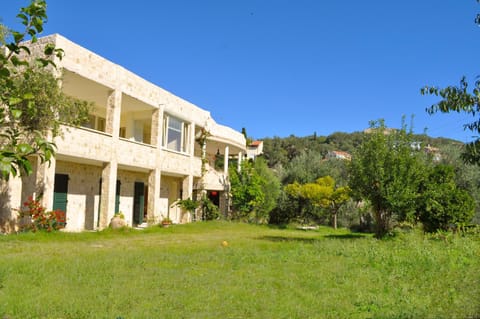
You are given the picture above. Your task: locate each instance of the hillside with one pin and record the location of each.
(281, 150)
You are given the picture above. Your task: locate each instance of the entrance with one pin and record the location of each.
(214, 197)
(139, 203)
(60, 191)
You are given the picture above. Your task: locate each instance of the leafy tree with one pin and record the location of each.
(443, 204)
(304, 168)
(335, 197)
(249, 195)
(271, 187)
(321, 194)
(460, 99)
(304, 199)
(467, 176)
(247, 139)
(274, 152)
(31, 102)
(387, 173)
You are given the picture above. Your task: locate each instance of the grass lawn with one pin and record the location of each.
(185, 272)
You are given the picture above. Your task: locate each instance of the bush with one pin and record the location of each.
(39, 219)
(443, 204)
(210, 210)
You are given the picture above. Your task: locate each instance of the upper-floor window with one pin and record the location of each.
(95, 123)
(175, 134)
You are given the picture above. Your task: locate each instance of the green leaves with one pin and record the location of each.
(16, 113)
(443, 204)
(322, 194)
(248, 189)
(19, 139)
(14, 101)
(386, 171)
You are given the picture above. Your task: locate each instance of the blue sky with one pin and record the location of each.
(282, 67)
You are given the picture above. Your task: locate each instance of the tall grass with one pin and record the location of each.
(185, 272)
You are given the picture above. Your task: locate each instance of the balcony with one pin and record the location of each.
(84, 143)
(136, 154)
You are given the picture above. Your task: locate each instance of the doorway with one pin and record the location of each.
(139, 200)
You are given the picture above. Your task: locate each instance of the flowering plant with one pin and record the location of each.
(40, 219)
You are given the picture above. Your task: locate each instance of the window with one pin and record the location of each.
(90, 123)
(100, 124)
(123, 132)
(95, 123)
(175, 134)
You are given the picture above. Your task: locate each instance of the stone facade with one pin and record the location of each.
(137, 155)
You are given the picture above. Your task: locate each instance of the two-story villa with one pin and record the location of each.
(138, 154)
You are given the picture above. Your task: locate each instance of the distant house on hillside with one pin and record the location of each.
(386, 130)
(338, 155)
(254, 149)
(434, 151)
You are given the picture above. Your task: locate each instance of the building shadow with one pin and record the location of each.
(311, 240)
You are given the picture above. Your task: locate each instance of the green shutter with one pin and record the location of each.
(60, 191)
(117, 197)
(138, 202)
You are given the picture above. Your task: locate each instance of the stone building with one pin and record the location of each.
(138, 154)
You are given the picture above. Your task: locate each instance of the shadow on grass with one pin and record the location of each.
(288, 239)
(312, 240)
(347, 236)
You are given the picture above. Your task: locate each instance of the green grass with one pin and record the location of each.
(185, 272)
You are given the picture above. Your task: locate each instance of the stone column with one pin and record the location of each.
(225, 162)
(153, 205)
(10, 201)
(114, 108)
(107, 202)
(192, 140)
(109, 172)
(156, 132)
(154, 177)
(239, 163)
(45, 181)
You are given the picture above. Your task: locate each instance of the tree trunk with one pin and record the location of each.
(381, 223)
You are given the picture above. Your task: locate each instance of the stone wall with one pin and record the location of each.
(83, 194)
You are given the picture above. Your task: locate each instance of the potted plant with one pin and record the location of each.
(118, 221)
(166, 222)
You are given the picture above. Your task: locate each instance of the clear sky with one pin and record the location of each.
(282, 67)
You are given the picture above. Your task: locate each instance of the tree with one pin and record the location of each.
(443, 204)
(304, 199)
(321, 194)
(255, 191)
(387, 172)
(304, 168)
(247, 192)
(336, 197)
(271, 187)
(32, 104)
(461, 100)
(467, 177)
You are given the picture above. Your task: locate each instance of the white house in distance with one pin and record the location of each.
(338, 155)
(254, 149)
(137, 155)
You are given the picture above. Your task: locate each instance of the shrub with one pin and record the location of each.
(210, 210)
(443, 204)
(38, 218)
